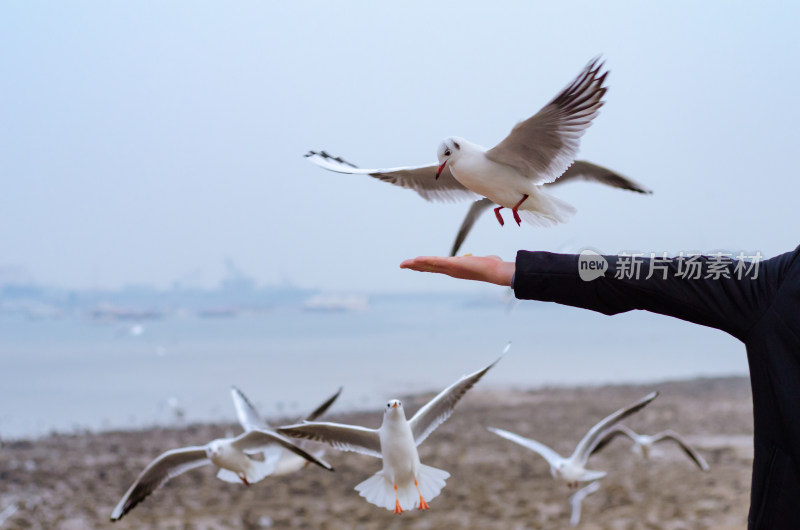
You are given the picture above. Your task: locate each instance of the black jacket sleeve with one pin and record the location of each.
(727, 293)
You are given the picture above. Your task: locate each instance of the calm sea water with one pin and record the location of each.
(72, 373)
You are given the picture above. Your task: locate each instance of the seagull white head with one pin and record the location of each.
(557, 470)
(214, 449)
(394, 406)
(449, 148)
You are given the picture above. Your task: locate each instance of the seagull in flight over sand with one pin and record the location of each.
(404, 482)
(286, 461)
(579, 170)
(511, 174)
(577, 498)
(232, 455)
(573, 469)
(643, 443)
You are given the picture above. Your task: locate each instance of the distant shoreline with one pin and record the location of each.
(495, 392)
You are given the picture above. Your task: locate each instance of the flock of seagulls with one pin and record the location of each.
(517, 173)
(404, 482)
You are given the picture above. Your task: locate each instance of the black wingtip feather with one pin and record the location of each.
(326, 155)
(323, 408)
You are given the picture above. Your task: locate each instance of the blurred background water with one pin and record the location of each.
(74, 373)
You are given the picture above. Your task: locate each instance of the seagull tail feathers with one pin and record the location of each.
(431, 481)
(543, 209)
(379, 489)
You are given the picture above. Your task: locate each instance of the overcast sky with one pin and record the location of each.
(146, 142)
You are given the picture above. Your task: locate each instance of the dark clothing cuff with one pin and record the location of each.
(552, 277)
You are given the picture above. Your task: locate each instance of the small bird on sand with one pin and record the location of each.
(573, 469)
(643, 443)
(286, 461)
(404, 482)
(511, 174)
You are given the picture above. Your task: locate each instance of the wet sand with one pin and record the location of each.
(74, 481)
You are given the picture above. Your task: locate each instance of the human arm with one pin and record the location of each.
(729, 303)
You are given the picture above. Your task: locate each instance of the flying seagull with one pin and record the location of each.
(580, 170)
(404, 482)
(643, 443)
(286, 461)
(577, 498)
(573, 469)
(537, 151)
(233, 455)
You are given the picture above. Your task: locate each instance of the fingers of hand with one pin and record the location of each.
(422, 263)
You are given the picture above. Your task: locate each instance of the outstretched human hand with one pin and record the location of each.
(489, 269)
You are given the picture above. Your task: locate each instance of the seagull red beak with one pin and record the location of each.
(441, 168)
(394, 405)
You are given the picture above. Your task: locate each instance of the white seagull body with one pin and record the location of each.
(579, 170)
(285, 461)
(504, 184)
(404, 482)
(577, 498)
(232, 455)
(511, 174)
(573, 469)
(643, 443)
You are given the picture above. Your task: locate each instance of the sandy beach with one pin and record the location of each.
(73, 481)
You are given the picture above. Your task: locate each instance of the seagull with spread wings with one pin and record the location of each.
(580, 170)
(286, 461)
(538, 151)
(573, 469)
(643, 443)
(404, 482)
(235, 456)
